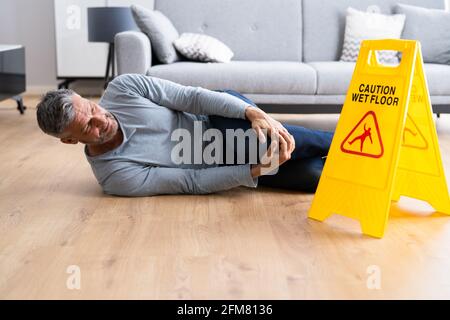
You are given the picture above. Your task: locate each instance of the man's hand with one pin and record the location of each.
(269, 164)
(262, 121)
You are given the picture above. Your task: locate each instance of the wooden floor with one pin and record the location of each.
(241, 244)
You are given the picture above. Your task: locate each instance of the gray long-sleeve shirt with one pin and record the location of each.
(148, 110)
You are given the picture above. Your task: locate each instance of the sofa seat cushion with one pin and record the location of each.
(438, 76)
(270, 77)
(333, 77)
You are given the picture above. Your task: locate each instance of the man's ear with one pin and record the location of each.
(69, 140)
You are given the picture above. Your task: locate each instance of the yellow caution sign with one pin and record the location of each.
(385, 144)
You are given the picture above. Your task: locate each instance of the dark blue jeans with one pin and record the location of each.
(303, 170)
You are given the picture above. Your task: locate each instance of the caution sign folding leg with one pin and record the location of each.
(385, 144)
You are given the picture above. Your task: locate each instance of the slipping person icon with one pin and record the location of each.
(363, 137)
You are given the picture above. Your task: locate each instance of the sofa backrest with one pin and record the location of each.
(253, 29)
(324, 23)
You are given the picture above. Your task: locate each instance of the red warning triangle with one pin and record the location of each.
(365, 138)
(412, 136)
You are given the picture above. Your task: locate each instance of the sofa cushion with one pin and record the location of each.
(437, 77)
(324, 23)
(432, 28)
(253, 30)
(200, 47)
(274, 77)
(333, 77)
(160, 31)
(361, 25)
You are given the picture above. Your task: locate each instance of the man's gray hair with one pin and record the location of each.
(55, 111)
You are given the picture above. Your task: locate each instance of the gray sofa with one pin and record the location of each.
(286, 51)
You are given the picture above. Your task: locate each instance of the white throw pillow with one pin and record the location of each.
(204, 48)
(361, 25)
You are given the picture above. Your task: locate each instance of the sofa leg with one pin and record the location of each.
(438, 114)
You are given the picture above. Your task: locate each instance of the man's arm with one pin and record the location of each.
(189, 99)
(135, 181)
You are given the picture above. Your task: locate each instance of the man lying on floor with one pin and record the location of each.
(133, 151)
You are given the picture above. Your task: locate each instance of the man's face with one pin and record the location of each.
(92, 124)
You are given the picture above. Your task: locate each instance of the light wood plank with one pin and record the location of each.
(240, 244)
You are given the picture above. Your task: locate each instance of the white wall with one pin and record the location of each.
(30, 23)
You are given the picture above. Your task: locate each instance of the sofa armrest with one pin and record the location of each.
(133, 52)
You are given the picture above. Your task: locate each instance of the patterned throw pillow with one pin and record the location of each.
(201, 47)
(361, 25)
